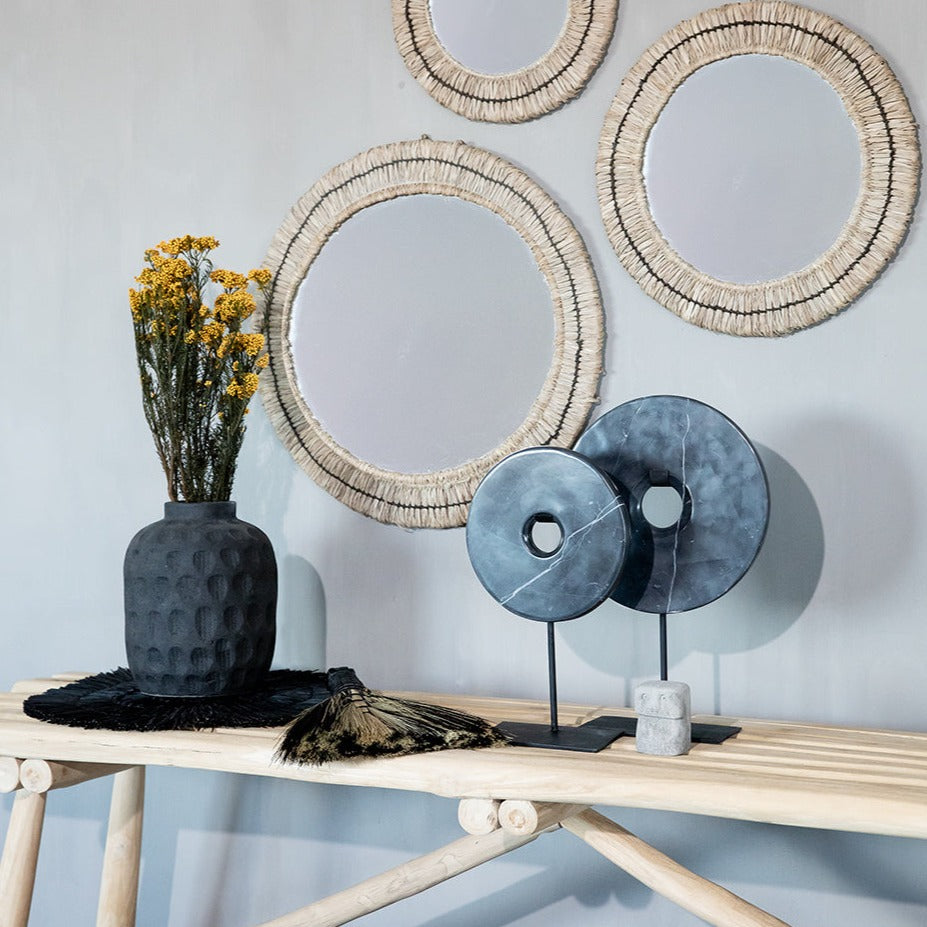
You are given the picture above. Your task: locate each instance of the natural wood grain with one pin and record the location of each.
(43, 775)
(773, 771)
(478, 815)
(403, 881)
(705, 899)
(31, 686)
(519, 816)
(122, 857)
(9, 773)
(20, 855)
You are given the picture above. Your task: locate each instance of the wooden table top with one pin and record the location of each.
(872, 781)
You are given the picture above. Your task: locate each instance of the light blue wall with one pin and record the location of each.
(127, 122)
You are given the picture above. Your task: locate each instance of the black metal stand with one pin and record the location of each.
(552, 677)
(664, 660)
(586, 738)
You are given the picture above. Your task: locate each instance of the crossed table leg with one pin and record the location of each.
(497, 828)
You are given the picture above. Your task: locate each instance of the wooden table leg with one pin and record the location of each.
(405, 880)
(122, 857)
(478, 815)
(20, 857)
(711, 902)
(44, 775)
(9, 773)
(518, 816)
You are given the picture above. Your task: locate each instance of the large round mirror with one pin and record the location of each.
(395, 361)
(717, 232)
(432, 311)
(503, 60)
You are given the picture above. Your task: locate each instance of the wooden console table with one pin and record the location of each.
(799, 774)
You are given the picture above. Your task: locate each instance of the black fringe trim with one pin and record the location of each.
(111, 701)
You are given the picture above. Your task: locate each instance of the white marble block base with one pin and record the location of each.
(663, 718)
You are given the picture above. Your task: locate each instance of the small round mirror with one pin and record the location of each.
(727, 176)
(752, 168)
(503, 60)
(498, 36)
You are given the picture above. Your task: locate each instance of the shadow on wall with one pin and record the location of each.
(301, 605)
(301, 624)
(761, 607)
(780, 584)
(867, 492)
(375, 575)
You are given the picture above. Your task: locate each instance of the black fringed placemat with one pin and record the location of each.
(112, 701)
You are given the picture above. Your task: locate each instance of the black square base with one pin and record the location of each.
(583, 739)
(701, 733)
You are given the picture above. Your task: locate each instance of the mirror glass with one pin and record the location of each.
(498, 36)
(423, 333)
(752, 168)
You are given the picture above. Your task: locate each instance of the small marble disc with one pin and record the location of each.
(673, 441)
(586, 534)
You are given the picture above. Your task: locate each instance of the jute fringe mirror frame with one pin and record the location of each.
(553, 80)
(438, 499)
(889, 159)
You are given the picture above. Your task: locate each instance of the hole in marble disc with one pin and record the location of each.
(543, 534)
(662, 506)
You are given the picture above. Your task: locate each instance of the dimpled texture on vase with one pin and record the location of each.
(200, 602)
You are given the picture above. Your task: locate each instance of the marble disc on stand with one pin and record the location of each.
(587, 523)
(675, 441)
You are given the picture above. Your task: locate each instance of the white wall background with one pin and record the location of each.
(127, 122)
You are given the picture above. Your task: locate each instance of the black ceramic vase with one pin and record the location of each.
(200, 602)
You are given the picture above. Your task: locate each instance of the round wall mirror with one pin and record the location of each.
(508, 61)
(395, 361)
(725, 150)
(432, 311)
(498, 36)
(766, 273)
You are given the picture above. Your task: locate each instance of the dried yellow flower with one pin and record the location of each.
(174, 246)
(230, 279)
(243, 387)
(261, 276)
(195, 397)
(211, 333)
(251, 344)
(235, 306)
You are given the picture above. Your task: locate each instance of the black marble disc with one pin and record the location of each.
(683, 443)
(557, 488)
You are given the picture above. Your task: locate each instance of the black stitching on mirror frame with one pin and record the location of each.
(573, 309)
(510, 99)
(885, 204)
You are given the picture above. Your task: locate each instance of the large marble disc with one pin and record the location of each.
(721, 493)
(571, 567)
